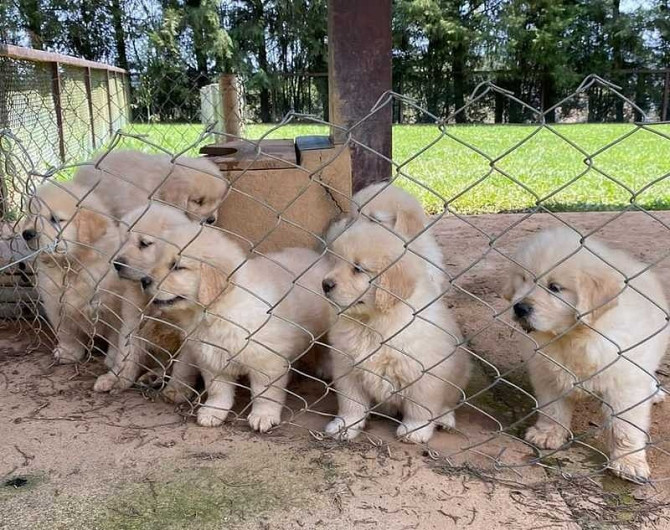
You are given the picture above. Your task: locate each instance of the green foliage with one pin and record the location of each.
(538, 49)
(527, 176)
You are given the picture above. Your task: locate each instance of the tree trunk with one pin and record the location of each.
(119, 34)
(617, 55)
(548, 96)
(458, 73)
(499, 110)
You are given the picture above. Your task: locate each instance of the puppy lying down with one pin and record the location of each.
(394, 343)
(243, 316)
(125, 180)
(599, 319)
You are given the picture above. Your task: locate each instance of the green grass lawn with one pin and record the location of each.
(485, 168)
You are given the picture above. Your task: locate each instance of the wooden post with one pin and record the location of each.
(359, 67)
(89, 99)
(230, 106)
(58, 108)
(109, 104)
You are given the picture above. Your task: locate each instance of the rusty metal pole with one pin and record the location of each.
(359, 69)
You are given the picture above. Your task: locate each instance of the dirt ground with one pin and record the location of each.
(71, 458)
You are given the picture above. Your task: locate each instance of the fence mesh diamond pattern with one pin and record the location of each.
(532, 339)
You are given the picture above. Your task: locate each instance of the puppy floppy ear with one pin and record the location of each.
(507, 289)
(396, 284)
(409, 223)
(91, 226)
(597, 291)
(174, 191)
(212, 284)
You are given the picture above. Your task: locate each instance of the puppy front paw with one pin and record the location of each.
(447, 421)
(547, 437)
(263, 422)
(211, 417)
(64, 355)
(658, 397)
(176, 395)
(632, 467)
(105, 382)
(416, 432)
(337, 428)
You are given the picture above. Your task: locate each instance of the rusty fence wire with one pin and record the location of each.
(475, 337)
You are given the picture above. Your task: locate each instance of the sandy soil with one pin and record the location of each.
(70, 458)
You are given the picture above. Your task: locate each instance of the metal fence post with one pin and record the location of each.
(58, 108)
(359, 65)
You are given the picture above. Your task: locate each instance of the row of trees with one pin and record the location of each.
(539, 49)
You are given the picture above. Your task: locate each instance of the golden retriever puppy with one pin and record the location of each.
(145, 342)
(125, 180)
(250, 317)
(381, 203)
(392, 344)
(600, 321)
(77, 240)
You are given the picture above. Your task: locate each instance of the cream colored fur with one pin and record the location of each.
(125, 180)
(612, 350)
(145, 341)
(75, 282)
(381, 352)
(236, 336)
(381, 204)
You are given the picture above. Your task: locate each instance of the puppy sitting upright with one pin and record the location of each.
(600, 322)
(249, 317)
(77, 240)
(144, 341)
(392, 343)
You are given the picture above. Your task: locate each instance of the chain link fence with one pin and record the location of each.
(488, 345)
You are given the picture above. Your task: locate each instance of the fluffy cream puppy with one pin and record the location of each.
(77, 240)
(145, 341)
(392, 344)
(600, 321)
(261, 315)
(381, 203)
(125, 180)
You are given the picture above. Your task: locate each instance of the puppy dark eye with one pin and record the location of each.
(555, 288)
(54, 220)
(358, 269)
(200, 201)
(145, 244)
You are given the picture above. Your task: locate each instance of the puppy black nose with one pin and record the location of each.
(327, 285)
(29, 234)
(146, 282)
(119, 263)
(522, 309)
(211, 220)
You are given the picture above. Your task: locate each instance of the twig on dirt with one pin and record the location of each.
(153, 493)
(26, 457)
(474, 516)
(454, 518)
(42, 406)
(3, 374)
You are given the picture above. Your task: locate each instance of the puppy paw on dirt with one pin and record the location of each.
(547, 436)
